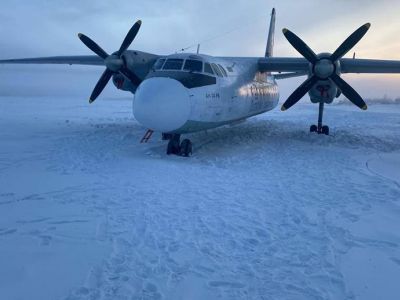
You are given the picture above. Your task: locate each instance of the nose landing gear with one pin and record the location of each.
(177, 148)
(320, 129)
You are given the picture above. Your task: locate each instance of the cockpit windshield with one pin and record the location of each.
(173, 64)
(208, 69)
(192, 65)
(216, 70)
(159, 63)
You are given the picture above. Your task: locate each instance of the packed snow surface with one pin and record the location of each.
(263, 210)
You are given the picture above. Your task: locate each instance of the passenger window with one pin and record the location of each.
(193, 66)
(208, 69)
(173, 64)
(159, 63)
(216, 70)
(223, 70)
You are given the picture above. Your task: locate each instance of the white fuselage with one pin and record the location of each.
(179, 101)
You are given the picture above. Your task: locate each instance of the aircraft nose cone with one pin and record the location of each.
(161, 104)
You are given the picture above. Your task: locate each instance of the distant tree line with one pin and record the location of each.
(370, 101)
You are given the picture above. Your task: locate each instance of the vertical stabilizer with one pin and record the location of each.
(271, 36)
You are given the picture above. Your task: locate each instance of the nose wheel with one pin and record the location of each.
(320, 129)
(175, 147)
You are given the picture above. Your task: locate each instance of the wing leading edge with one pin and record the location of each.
(370, 66)
(267, 64)
(88, 60)
(348, 65)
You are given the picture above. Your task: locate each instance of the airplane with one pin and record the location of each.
(190, 92)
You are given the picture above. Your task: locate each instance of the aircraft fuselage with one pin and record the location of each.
(187, 93)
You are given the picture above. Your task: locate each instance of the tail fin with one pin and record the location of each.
(271, 36)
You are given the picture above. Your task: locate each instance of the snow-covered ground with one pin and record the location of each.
(263, 210)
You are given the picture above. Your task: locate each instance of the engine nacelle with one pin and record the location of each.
(323, 91)
(137, 62)
(123, 83)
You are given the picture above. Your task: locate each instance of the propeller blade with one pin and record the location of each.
(131, 76)
(299, 92)
(350, 42)
(349, 92)
(300, 46)
(93, 46)
(101, 84)
(129, 37)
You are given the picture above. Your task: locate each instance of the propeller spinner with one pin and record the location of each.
(114, 62)
(324, 68)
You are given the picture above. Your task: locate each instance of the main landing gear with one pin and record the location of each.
(320, 129)
(176, 147)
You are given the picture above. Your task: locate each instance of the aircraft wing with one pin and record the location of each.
(369, 66)
(348, 65)
(89, 60)
(281, 76)
(283, 64)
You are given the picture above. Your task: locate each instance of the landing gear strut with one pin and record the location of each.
(177, 148)
(320, 129)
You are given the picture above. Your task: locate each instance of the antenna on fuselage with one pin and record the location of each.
(198, 48)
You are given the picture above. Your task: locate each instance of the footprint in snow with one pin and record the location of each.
(33, 197)
(7, 231)
(82, 291)
(68, 222)
(7, 195)
(33, 221)
(396, 260)
(226, 284)
(45, 240)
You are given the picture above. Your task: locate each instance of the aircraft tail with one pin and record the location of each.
(269, 52)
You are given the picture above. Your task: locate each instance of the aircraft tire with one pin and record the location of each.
(186, 148)
(313, 128)
(325, 130)
(173, 147)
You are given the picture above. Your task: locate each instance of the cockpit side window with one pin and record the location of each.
(208, 69)
(173, 64)
(223, 70)
(159, 63)
(192, 65)
(216, 70)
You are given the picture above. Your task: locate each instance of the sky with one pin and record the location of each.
(224, 28)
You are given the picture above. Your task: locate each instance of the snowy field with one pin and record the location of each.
(263, 210)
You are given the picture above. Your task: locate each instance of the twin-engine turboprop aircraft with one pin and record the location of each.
(183, 93)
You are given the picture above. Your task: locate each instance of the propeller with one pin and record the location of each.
(114, 63)
(325, 67)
